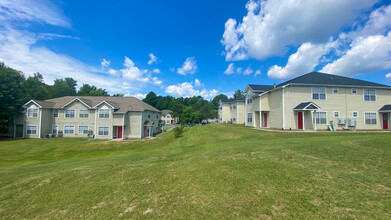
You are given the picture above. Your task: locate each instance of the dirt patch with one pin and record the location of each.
(46, 181)
(147, 211)
(100, 205)
(129, 209)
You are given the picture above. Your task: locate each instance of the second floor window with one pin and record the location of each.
(55, 113)
(369, 95)
(319, 93)
(249, 101)
(32, 112)
(104, 113)
(83, 113)
(69, 113)
(250, 117)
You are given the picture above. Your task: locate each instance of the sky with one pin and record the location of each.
(187, 48)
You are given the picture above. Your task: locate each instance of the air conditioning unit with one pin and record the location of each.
(352, 122)
(342, 121)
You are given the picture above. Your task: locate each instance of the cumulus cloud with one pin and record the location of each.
(230, 69)
(138, 95)
(156, 70)
(248, 71)
(187, 90)
(303, 61)
(388, 76)
(270, 27)
(105, 63)
(152, 59)
(188, 67)
(197, 83)
(156, 81)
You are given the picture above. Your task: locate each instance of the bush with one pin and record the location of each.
(178, 131)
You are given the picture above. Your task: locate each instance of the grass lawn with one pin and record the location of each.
(213, 172)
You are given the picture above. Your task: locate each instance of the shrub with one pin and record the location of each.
(178, 131)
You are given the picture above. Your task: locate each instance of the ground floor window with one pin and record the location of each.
(168, 121)
(54, 129)
(32, 129)
(320, 118)
(336, 114)
(370, 118)
(103, 131)
(83, 129)
(234, 119)
(355, 114)
(249, 117)
(69, 129)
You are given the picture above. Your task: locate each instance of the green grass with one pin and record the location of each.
(212, 172)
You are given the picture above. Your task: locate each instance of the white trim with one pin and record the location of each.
(102, 103)
(325, 93)
(142, 125)
(69, 126)
(336, 116)
(40, 122)
(78, 128)
(321, 111)
(32, 108)
(33, 102)
(75, 100)
(108, 131)
(303, 120)
(103, 117)
(376, 117)
(253, 119)
(32, 125)
(88, 113)
(65, 113)
(363, 95)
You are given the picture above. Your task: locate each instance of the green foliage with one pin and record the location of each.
(64, 87)
(178, 132)
(238, 94)
(217, 99)
(118, 95)
(87, 90)
(35, 88)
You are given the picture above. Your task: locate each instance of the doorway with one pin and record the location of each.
(385, 121)
(300, 120)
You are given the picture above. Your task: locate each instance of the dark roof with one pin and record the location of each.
(232, 100)
(260, 88)
(304, 105)
(166, 112)
(317, 78)
(385, 108)
(121, 104)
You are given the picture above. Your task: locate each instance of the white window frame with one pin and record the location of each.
(337, 115)
(55, 126)
(85, 110)
(168, 116)
(54, 113)
(249, 100)
(108, 131)
(65, 126)
(314, 118)
(74, 113)
(32, 113)
(168, 121)
(248, 118)
(356, 114)
(104, 109)
(335, 90)
(365, 119)
(78, 129)
(318, 93)
(369, 95)
(30, 126)
(354, 89)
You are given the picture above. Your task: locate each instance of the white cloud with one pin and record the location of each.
(133, 73)
(152, 59)
(139, 96)
(230, 69)
(248, 71)
(187, 90)
(388, 76)
(105, 63)
(258, 72)
(112, 71)
(156, 70)
(156, 81)
(197, 83)
(270, 27)
(188, 67)
(239, 70)
(367, 54)
(303, 61)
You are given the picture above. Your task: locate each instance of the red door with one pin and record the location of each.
(172, 122)
(385, 121)
(119, 132)
(300, 120)
(265, 119)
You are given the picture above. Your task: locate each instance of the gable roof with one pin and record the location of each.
(317, 78)
(260, 88)
(385, 108)
(121, 104)
(232, 100)
(306, 106)
(166, 112)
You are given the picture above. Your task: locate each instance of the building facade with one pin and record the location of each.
(231, 111)
(168, 117)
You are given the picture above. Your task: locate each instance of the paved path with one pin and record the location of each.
(144, 139)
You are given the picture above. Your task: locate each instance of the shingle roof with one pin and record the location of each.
(165, 112)
(305, 105)
(121, 104)
(385, 108)
(232, 100)
(260, 88)
(317, 78)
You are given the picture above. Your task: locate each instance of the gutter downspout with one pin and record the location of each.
(40, 122)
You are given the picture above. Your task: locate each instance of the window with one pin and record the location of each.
(83, 129)
(83, 113)
(149, 116)
(355, 114)
(370, 118)
(168, 121)
(168, 116)
(69, 129)
(32, 129)
(103, 131)
(32, 113)
(69, 113)
(319, 93)
(354, 91)
(234, 107)
(320, 118)
(250, 117)
(249, 101)
(157, 116)
(335, 90)
(234, 119)
(369, 95)
(336, 114)
(55, 113)
(104, 113)
(54, 129)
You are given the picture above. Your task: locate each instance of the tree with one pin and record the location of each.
(63, 87)
(188, 115)
(35, 88)
(118, 95)
(151, 98)
(11, 92)
(217, 99)
(238, 94)
(87, 90)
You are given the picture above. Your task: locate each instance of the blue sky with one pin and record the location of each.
(186, 48)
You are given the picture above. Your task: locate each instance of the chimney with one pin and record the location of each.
(274, 85)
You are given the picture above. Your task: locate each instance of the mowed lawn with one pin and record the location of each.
(212, 172)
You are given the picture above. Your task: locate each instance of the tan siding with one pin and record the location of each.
(275, 114)
(31, 121)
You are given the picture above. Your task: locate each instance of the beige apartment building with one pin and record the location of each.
(168, 117)
(104, 117)
(231, 111)
(319, 101)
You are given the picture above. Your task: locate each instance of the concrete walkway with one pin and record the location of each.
(144, 139)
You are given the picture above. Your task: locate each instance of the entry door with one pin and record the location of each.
(172, 122)
(264, 119)
(385, 121)
(300, 120)
(119, 132)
